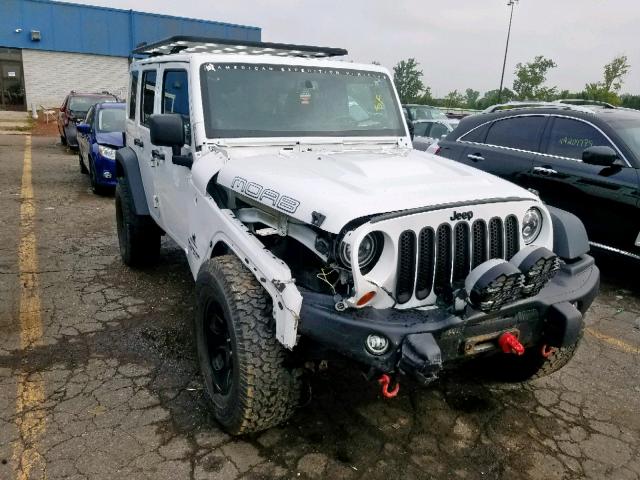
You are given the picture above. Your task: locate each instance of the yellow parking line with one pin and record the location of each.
(614, 342)
(31, 419)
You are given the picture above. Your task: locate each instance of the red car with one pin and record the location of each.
(74, 110)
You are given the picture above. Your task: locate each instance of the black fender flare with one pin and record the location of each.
(127, 167)
(569, 235)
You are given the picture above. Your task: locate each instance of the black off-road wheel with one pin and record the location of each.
(245, 368)
(536, 362)
(138, 235)
(83, 168)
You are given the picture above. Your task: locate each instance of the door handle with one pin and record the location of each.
(138, 142)
(475, 157)
(545, 170)
(157, 154)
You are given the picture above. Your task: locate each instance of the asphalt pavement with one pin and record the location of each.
(98, 377)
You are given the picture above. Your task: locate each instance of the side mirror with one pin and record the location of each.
(83, 128)
(167, 130)
(599, 155)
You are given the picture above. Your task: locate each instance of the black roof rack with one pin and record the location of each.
(188, 44)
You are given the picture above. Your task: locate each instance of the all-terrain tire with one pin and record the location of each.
(83, 168)
(533, 364)
(138, 235)
(263, 390)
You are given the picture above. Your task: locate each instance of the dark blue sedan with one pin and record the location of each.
(101, 134)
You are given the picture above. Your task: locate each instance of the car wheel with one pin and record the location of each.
(138, 235)
(243, 365)
(95, 185)
(83, 168)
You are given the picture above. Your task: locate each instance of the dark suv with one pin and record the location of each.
(74, 110)
(582, 159)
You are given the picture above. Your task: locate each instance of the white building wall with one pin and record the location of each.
(50, 76)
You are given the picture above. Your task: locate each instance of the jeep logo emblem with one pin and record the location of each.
(461, 216)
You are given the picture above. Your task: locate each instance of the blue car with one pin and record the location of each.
(101, 134)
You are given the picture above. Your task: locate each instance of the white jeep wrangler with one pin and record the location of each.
(311, 226)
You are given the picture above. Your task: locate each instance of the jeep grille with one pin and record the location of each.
(445, 256)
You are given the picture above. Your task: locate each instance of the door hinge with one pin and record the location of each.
(156, 201)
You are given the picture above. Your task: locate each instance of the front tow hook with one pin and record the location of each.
(509, 343)
(385, 382)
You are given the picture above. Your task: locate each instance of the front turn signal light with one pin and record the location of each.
(366, 298)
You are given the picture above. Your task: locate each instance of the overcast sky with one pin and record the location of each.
(459, 44)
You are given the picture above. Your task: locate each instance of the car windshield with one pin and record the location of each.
(427, 113)
(628, 127)
(82, 103)
(265, 100)
(111, 120)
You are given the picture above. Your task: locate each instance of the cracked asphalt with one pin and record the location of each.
(98, 377)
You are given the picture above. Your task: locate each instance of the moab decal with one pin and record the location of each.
(265, 195)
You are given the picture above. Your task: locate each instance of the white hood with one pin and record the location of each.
(347, 185)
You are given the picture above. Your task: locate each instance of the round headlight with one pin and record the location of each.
(531, 225)
(368, 252)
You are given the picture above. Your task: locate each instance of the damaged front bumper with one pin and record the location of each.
(422, 342)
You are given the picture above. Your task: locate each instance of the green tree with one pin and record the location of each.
(530, 78)
(492, 97)
(630, 101)
(471, 97)
(613, 73)
(454, 100)
(607, 90)
(426, 98)
(408, 80)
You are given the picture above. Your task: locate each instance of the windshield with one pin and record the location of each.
(629, 130)
(111, 120)
(256, 100)
(427, 113)
(84, 103)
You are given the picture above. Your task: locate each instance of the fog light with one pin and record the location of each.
(493, 284)
(539, 265)
(106, 174)
(377, 344)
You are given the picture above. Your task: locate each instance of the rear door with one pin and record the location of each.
(508, 148)
(604, 198)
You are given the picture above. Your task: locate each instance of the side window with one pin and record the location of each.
(420, 129)
(437, 130)
(175, 97)
(133, 94)
(477, 135)
(519, 132)
(569, 138)
(147, 95)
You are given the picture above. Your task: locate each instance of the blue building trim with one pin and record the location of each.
(69, 27)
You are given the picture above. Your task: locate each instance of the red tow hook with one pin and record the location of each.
(509, 343)
(385, 381)
(547, 351)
